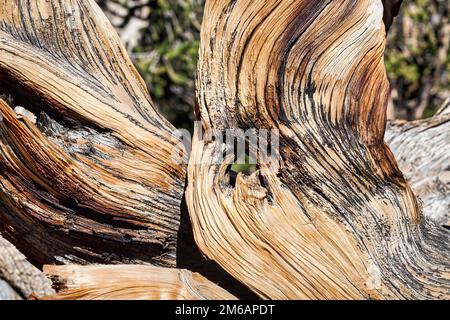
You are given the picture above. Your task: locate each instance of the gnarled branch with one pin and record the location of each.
(423, 151)
(332, 216)
(132, 282)
(88, 171)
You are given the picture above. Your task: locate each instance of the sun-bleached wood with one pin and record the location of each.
(20, 279)
(87, 169)
(131, 282)
(332, 217)
(422, 150)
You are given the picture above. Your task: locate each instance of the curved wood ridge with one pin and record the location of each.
(422, 150)
(332, 216)
(132, 282)
(87, 167)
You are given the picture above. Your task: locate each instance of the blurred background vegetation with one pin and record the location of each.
(418, 59)
(162, 37)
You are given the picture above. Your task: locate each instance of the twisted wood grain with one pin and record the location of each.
(87, 170)
(332, 216)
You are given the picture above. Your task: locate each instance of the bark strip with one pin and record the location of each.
(19, 279)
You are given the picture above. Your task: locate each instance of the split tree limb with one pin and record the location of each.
(88, 172)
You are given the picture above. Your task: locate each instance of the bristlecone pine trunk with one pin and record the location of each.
(91, 174)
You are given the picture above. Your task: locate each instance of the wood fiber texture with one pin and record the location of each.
(88, 171)
(132, 282)
(331, 216)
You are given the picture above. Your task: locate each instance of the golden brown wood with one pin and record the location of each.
(332, 216)
(87, 170)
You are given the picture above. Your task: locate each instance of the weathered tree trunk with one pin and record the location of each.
(91, 173)
(422, 150)
(88, 173)
(18, 278)
(332, 216)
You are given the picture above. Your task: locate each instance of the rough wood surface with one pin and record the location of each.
(332, 216)
(19, 279)
(87, 170)
(132, 282)
(422, 149)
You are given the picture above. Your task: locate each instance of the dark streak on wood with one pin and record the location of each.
(93, 180)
